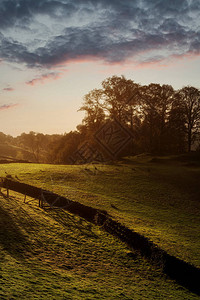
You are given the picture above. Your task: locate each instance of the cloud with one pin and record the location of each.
(44, 77)
(13, 51)
(54, 32)
(8, 89)
(7, 106)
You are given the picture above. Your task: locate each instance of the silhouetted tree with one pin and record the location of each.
(155, 104)
(94, 113)
(66, 147)
(176, 127)
(120, 99)
(190, 97)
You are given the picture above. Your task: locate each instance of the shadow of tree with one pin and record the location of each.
(72, 222)
(12, 239)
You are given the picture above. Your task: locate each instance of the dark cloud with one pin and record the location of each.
(14, 12)
(14, 51)
(112, 31)
(195, 44)
(170, 8)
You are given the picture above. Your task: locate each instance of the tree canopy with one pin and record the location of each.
(159, 120)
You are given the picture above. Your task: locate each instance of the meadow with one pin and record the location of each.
(54, 253)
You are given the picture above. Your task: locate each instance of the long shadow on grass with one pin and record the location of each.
(182, 272)
(12, 239)
(70, 221)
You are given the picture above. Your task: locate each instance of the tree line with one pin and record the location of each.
(161, 120)
(32, 146)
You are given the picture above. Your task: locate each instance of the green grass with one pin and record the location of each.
(58, 255)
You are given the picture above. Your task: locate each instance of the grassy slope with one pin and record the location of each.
(15, 152)
(55, 255)
(58, 254)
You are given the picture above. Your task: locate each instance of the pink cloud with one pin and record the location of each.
(7, 106)
(44, 78)
(168, 61)
(8, 89)
(78, 60)
(188, 55)
(152, 65)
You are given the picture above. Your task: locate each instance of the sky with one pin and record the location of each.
(53, 52)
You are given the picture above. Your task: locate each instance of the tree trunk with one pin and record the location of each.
(189, 139)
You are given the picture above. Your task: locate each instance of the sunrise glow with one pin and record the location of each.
(53, 53)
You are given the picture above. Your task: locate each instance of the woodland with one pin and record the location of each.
(160, 119)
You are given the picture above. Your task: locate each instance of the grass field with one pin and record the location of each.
(55, 254)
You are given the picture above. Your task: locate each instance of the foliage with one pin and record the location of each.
(30, 146)
(190, 98)
(156, 102)
(161, 119)
(95, 114)
(120, 98)
(66, 147)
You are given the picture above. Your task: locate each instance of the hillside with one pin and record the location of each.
(54, 253)
(11, 152)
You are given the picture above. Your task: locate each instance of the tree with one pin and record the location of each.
(92, 106)
(155, 104)
(63, 149)
(176, 127)
(117, 99)
(34, 142)
(120, 99)
(190, 98)
(3, 137)
(160, 118)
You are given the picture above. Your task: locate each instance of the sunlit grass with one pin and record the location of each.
(158, 200)
(52, 254)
